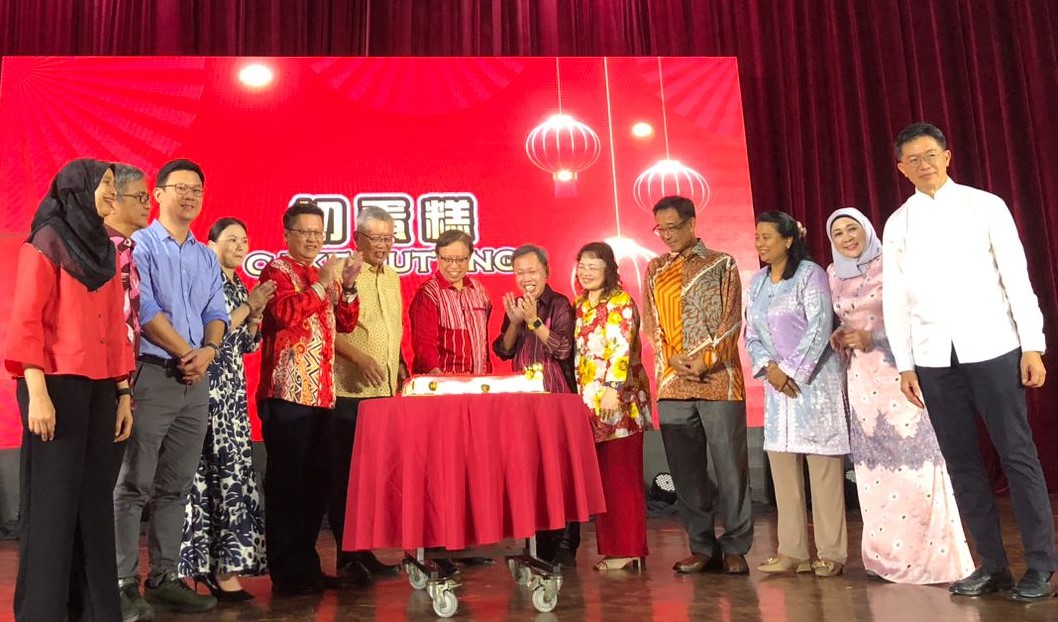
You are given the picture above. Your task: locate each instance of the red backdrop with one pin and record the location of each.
(826, 85)
(440, 142)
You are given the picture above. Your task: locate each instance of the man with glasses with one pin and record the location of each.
(449, 314)
(967, 335)
(296, 398)
(369, 365)
(449, 317)
(692, 311)
(183, 319)
(538, 330)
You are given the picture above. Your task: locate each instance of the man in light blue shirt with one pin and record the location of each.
(183, 318)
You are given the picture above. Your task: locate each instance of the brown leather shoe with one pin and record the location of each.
(735, 564)
(697, 562)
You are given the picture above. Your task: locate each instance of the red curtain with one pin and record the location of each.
(826, 84)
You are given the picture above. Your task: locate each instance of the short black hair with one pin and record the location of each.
(222, 224)
(451, 237)
(788, 228)
(684, 207)
(301, 207)
(531, 249)
(173, 166)
(918, 130)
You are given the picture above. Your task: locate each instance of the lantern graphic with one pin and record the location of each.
(563, 146)
(669, 177)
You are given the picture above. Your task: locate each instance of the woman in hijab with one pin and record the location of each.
(69, 350)
(911, 527)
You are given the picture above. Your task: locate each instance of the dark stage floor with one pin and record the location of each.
(655, 594)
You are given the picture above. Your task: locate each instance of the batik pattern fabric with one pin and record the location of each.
(912, 532)
(608, 354)
(790, 323)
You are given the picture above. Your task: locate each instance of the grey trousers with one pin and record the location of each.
(688, 429)
(159, 467)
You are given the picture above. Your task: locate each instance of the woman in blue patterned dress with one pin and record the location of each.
(224, 523)
(789, 318)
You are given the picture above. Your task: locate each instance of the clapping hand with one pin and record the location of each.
(528, 308)
(351, 269)
(514, 310)
(260, 296)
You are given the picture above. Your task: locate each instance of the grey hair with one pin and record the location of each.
(371, 212)
(125, 173)
(531, 249)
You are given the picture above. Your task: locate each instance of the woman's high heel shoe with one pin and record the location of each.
(223, 596)
(634, 564)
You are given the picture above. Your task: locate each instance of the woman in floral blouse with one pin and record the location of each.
(613, 382)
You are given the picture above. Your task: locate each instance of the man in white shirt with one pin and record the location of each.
(967, 335)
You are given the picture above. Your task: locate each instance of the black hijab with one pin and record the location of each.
(68, 229)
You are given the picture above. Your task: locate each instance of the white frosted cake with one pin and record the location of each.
(474, 385)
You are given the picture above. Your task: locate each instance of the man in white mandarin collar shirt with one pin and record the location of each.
(967, 335)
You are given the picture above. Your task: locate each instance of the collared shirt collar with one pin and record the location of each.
(948, 187)
(698, 248)
(160, 232)
(119, 238)
(443, 282)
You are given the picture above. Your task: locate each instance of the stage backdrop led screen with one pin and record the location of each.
(553, 151)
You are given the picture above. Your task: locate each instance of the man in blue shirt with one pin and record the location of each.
(183, 318)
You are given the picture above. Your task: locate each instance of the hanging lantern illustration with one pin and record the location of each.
(669, 177)
(563, 146)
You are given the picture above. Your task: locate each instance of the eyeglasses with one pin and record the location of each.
(453, 261)
(196, 191)
(930, 157)
(528, 273)
(589, 268)
(308, 234)
(141, 197)
(377, 239)
(663, 231)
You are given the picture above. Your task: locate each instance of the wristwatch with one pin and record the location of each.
(536, 324)
(126, 391)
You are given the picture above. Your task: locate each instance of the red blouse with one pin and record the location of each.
(297, 350)
(61, 327)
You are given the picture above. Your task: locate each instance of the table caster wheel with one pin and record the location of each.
(445, 603)
(417, 578)
(544, 600)
(522, 575)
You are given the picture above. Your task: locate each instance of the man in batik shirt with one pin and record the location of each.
(692, 311)
(296, 394)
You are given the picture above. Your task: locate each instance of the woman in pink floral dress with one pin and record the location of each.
(614, 385)
(911, 527)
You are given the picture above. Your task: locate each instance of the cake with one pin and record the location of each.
(474, 385)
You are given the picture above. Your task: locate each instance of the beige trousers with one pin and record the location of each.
(826, 474)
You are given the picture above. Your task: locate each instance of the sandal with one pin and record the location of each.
(784, 563)
(620, 563)
(825, 568)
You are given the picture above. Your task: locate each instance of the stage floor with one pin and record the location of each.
(655, 594)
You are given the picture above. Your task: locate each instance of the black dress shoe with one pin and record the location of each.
(983, 582)
(566, 557)
(1034, 585)
(475, 560)
(375, 567)
(297, 589)
(352, 572)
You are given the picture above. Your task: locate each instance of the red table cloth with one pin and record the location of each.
(461, 470)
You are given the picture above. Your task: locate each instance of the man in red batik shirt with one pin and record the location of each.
(449, 317)
(296, 394)
(450, 314)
